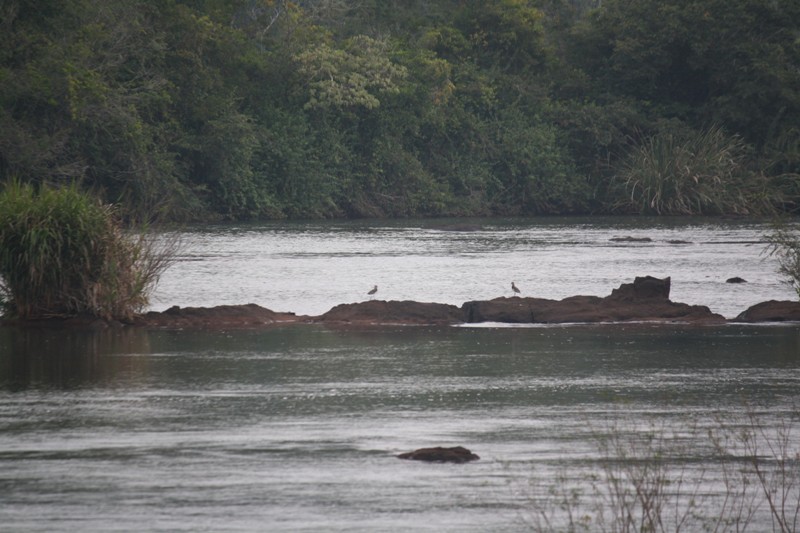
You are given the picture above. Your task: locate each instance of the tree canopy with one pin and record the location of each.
(238, 109)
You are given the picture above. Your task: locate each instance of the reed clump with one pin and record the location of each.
(693, 173)
(63, 253)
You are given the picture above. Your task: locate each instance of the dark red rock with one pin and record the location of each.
(646, 299)
(646, 287)
(221, 316)
(771, 311)
(457, 454)
(393, 312)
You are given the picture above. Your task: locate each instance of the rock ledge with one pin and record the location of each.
(771, 311)
(457, 454)
(644, 300)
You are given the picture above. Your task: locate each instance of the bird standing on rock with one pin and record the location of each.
(373, 291)
(514, 288)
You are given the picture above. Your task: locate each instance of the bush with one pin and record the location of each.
(784, 244)
(62, 253)
(693, 173)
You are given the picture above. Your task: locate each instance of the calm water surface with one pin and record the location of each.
(296, 429)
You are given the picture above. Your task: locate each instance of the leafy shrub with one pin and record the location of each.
(784, 245)
(694, 173)
(537, 175)
(62, 253)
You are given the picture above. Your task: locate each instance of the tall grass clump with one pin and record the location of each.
(784, 245)
(63, 253)
(692, 173)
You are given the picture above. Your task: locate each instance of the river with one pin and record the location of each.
(298, 428)
(308, 268)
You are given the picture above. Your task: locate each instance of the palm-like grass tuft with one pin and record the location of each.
(62, 253)
(699, 173)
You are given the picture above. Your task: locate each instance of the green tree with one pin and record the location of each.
(85, 99)
(728, 62)
(352, 76)
(271, 108)
(536, 172)
(507, 35)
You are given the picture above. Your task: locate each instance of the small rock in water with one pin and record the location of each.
(630, 239)
(735, 279)
(457, 227)
(456, 454)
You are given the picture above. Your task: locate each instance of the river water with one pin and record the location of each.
(297, 428)
(309, 268)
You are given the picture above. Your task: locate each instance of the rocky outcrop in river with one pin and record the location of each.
(393, 312)
(456, 454)
(644, 300)
(221, 316)
(771, 311)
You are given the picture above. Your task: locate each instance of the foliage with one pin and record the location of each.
(350, 76)
(784, 245)
(506, 34)
(692, 173)
(727, 62)
(236, 109)
(538, 177)
(62, 253)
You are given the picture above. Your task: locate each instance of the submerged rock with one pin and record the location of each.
(456, 454)
(771, 311)
(628, 238)
(457, 227)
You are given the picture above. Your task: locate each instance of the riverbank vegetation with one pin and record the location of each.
(263, 109)
(643, 482)
(62, 253)
(784, 246)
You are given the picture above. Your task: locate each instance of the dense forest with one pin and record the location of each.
(264, 109)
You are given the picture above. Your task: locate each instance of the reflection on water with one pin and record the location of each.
(65, 358)
(295, 429)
